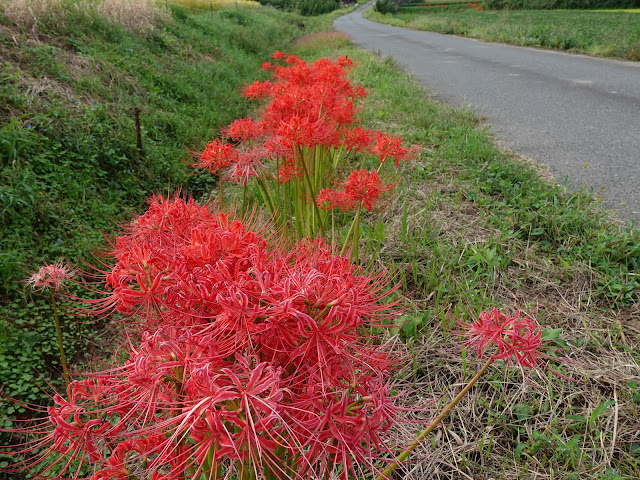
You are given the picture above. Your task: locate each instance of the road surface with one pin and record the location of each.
(579, 115)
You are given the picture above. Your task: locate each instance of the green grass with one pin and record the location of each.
(608, 34)
(470, 228)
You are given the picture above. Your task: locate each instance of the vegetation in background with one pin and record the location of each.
(217, 4)
(559, 4)
(609, 34)
(304, 7)
(386, 6)
(131, 14)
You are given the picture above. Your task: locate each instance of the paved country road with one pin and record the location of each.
(561, 109)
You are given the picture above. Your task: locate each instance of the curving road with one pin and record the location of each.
(579, 115)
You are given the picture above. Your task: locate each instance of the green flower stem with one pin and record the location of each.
(244, 199)
(220, 183)
(349, 232)
(385, 475)
(333, 231)
(63, 359)
(312, 192)
(267, 196)
(356, 235)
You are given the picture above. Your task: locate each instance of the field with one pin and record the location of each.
(470, 227)
(608, 34)
(217, 4)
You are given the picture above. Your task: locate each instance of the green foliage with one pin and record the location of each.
(316, 7)
(305, 7)
(386, 6)
(559, 4)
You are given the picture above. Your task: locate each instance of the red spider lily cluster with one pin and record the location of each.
(307, 123)
(253, 358)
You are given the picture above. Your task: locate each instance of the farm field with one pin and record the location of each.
(602, 33)
(467, 228)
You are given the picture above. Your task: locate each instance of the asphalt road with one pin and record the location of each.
(579, 115)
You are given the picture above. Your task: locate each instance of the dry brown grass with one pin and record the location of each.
(135, 15)
(29, 13)
(131, 14)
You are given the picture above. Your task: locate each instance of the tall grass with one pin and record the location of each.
(130, 14)
(29, 13)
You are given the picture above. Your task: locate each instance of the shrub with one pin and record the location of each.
(217, 4)
(386, 6)
(316, 7)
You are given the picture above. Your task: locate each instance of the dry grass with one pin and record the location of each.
(505, 413)
(135, 15)
(29, 13)
(131, 14)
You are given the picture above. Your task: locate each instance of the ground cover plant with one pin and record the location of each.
(469, 228)
(602, 33)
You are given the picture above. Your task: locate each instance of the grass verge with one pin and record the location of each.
(474, 227)
(595, 32)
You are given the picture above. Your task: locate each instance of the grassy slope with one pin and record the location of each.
(70, 165)
(471, 228)
(608, 34)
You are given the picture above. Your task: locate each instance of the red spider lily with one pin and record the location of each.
(247, 165)
(516, 335)
(216, 156)
(51, 276)
(365, 188)
(362, 188)
(244, 129)
(358, 139)
(330, 199)
(388, 146)
(258, 90)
